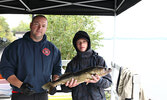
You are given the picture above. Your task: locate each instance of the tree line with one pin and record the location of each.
(61, 30)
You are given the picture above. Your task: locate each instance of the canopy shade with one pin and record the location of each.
(66, 7)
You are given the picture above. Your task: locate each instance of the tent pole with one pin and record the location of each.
(114, 32)
(32, 16)
(112, 97)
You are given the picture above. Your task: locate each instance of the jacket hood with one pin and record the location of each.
(79, 35)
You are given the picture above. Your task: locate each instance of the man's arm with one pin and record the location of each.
(24, 87)
(14, 81)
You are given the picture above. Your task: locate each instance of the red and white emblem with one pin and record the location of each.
(46, 51)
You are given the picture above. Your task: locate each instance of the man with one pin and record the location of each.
(29, 62)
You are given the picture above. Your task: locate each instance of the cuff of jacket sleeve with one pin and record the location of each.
(7, 75)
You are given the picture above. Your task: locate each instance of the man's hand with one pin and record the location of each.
(53, 90)
(26, 89)
(55, 77)
(72, 83)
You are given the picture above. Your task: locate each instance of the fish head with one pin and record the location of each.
(101, 71)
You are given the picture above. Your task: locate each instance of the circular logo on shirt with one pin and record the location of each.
(46, 51)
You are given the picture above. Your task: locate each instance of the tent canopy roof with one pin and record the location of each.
(66, 7)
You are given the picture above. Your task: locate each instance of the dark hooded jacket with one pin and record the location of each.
(92, 91)
(31, 62)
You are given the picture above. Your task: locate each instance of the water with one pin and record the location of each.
(147, 57)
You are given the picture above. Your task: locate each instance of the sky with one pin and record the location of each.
(15, 19)
(140, 42)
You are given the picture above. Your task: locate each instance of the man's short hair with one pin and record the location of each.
(38, 16)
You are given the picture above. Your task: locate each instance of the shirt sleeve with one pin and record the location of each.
(57, 64)
(8, 62)
(105, 81)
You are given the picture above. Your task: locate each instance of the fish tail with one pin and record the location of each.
(48, 86)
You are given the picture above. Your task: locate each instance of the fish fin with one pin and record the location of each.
(87, 83)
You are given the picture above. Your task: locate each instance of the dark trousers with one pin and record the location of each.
(36, 96)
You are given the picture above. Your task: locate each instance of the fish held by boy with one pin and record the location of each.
(80, 76)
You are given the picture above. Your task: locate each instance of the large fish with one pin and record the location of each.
(80, 76)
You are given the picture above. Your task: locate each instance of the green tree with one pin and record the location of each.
(22, 27)
(62, 28)
(4, 27)
(5, 31)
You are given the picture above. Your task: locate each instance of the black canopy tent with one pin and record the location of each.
(66, 7)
